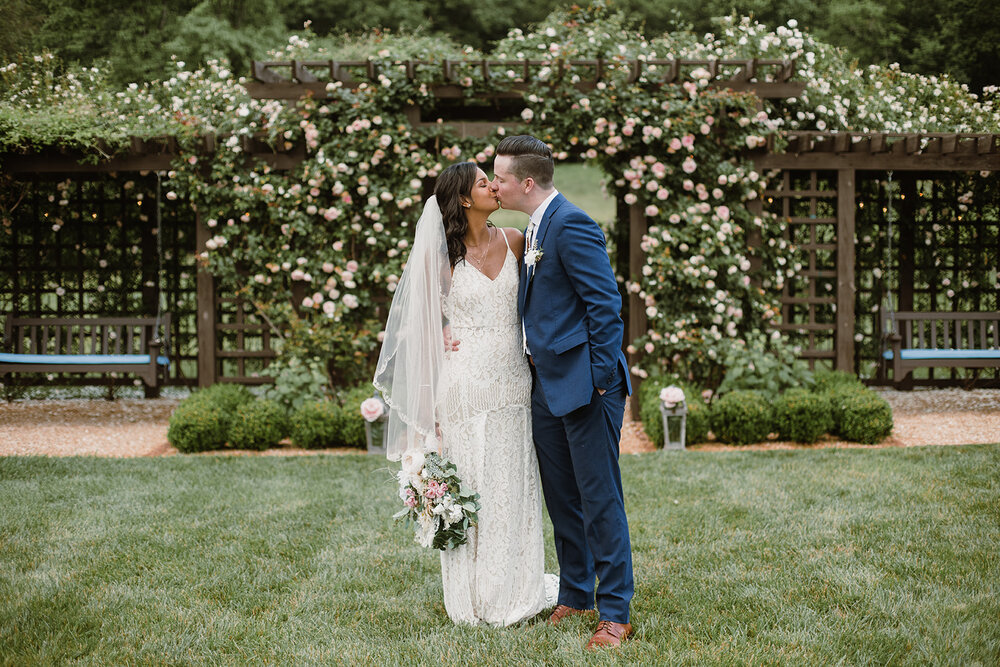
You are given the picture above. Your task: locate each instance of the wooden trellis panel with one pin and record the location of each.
(243, 342)
(944, 257)
(86, 246)
(808, 202)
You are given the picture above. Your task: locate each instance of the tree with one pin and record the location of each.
(20, 20)
(960, 37)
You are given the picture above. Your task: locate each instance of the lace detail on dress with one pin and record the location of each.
(498, 576)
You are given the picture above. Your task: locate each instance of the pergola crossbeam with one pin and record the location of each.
(881, 151)
(293, 79)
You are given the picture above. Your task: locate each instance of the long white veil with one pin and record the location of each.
(413, 350)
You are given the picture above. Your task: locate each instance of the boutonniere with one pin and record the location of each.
(533, 255)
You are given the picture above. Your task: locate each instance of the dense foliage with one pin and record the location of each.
(319, 249)
(954, 36)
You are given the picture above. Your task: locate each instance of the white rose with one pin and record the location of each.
(413, 462)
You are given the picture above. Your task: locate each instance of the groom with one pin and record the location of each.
(569, 304)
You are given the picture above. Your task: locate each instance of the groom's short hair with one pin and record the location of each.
(530, 158)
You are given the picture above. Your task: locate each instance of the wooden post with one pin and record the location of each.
(906, 223)
(206, 311)
(844, 339)
(637, 321)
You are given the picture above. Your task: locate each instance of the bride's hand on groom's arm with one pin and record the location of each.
(450, 344)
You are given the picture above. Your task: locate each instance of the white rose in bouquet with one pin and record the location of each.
(413, 465)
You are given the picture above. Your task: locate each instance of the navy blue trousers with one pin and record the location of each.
(582, 485)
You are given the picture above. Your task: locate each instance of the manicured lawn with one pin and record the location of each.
(853, 556)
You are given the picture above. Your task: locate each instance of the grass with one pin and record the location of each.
(884, 556)
(581, 184)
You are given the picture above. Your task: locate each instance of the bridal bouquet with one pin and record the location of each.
(435, 501)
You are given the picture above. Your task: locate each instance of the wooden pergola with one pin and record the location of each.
(805, 194)
(818, 187)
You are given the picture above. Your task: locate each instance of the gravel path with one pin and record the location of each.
(138, 427)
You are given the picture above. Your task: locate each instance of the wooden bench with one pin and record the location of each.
(85, 345)
(943, 340)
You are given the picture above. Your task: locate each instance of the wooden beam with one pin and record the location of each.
(762, 89)
(54, 162)
(207, 370)
(879, 162)
(638, 323)
(844, 337)
(71, 162)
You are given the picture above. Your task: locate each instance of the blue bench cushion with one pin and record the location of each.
(942, 353)
(81, 359)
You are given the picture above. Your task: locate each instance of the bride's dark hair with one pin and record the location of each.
(455, 182)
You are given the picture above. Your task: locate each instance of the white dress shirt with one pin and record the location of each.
(536, 218)
(529, 238)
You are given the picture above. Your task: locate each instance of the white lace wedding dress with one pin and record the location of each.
(498, 577)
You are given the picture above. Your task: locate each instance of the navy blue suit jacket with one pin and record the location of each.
(571, 309)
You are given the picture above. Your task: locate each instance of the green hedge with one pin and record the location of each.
(352, 424)
(259, 425)
(230, 414)
(865, 417)
(198, 426)
(838, 404)
(316, 425)
(332, 423)
(741, 418)
(802, 416)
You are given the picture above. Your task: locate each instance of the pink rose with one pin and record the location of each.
(372, 408)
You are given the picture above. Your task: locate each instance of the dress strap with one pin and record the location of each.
(504, 235)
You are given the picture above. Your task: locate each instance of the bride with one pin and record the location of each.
(452, 364)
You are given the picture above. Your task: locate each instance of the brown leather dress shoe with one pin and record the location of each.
(562, 611)
(610, 634)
